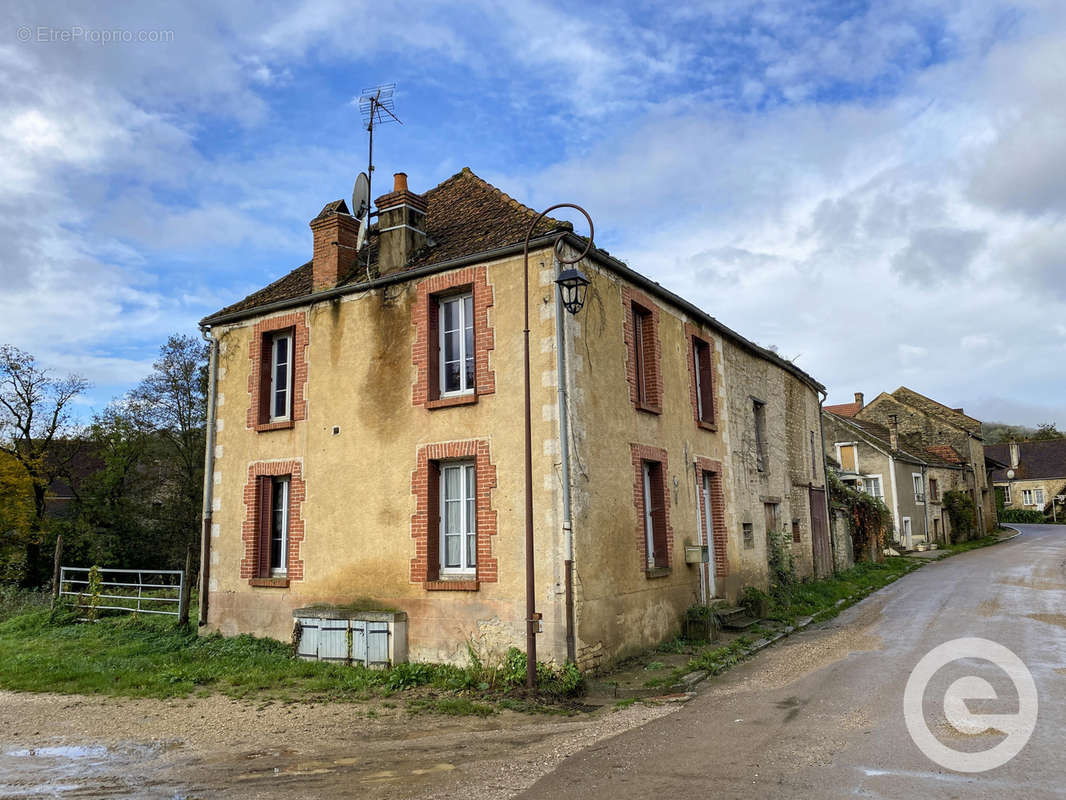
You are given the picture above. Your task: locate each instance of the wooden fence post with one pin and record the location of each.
(57, 569)
(183, 606)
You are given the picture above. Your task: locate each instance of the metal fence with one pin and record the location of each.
(139, 591)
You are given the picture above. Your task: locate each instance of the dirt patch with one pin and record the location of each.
(219, 747)
(1051, 619)
(989, 608)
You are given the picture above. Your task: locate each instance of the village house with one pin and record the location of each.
(367, 456)
(908, 477)
(1032, 476)
(930, 430)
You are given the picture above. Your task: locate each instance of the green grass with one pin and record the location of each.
(819, 599)
(972, 544)
(451, 706)
(154, 657)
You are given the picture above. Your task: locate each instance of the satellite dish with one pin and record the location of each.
(361, 196)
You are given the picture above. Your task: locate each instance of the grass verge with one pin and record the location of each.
(133, 656)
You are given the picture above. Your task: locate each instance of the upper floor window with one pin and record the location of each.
(703, 380)
(814, 460)
(919, 488)
(456, 344)
(849, 461)
(872, 486)
(281, 376)
(934, 489)
(643, 369)
(759, 414)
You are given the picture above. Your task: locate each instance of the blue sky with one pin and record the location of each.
(877, 189)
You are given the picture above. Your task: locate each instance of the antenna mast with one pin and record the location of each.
(374, 104)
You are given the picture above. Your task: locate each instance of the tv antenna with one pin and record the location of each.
(377, 107)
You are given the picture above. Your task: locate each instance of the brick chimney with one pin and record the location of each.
(335, 233)
(401, 225)
(858, 399)
(1015, 454)
(893, 431)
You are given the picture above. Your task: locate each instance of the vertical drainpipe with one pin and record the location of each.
(897, 522)
(209, 473)
(564, 450)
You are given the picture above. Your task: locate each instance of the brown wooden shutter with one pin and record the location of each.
(658, 514)
(433, 347)
(266, 353)
(706, 385)
(432, 521)
(265, 501)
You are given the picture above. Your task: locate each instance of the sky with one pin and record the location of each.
(875, 189)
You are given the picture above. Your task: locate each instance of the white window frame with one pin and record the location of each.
(649, 519)
(880, 486)
(1027, 497)
(464, 323)
(274, 364)
(283, 570)
(1038, 498)
(919, 487)
(1006, 495)
(467, 526)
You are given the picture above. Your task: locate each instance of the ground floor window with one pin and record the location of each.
(654, 516)
(458, 517)
(279, 526)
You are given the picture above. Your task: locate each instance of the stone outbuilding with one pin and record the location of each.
(1032, 476)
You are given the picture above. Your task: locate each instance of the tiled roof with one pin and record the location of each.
(1040, 459)
(844, 409)
(910, 445)
(946, 454)
(464, 215)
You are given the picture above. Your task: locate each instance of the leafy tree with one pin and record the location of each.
(962, 515)
(1047, 430)
(16, 517)
(34, 416)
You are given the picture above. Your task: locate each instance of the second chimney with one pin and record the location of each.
(401, 225)
(893, 431)
(334, 255)
(858, 399)
(1015, 454)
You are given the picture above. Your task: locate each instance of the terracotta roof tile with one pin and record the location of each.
(844, 409)
(465, 215)
(945, 453)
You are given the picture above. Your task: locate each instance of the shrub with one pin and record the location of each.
(782, 565)
(1030, 515)
(962, 515)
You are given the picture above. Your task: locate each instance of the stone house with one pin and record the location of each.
(368, 445)
(1032, 476)
(933, 429)
(906, 476)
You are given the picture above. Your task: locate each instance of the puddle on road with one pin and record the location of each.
(1051, 619)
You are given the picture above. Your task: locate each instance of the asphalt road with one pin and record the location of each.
(821, 715)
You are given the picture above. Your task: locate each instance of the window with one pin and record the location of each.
(1027, 497)
(279, 527)
(848, 458)
(654, 515)
(456, 344)
(770, 512)
(796, 536)
(702, 376)
(759, 414)
(453, 339)
(643, 352)
(1006, 495)
(919, 488)
(458, 518)
(934, 489)
(872, 486)
(749, 536)
(1039, 497)
(280, 376)
(814, 460)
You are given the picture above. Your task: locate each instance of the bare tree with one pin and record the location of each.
(34, 416)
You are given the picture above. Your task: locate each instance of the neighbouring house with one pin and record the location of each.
(368, 446)
(908, 477)
(1032, 475)
(933, 430)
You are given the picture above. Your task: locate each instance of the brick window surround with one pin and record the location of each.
(425, 524)
(707, 382)
(259, 372)
(661, 516)
(251, 564)
(426, 350)
(705, 466)
(637, 305)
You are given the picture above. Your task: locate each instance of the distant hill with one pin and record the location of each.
(999, 432)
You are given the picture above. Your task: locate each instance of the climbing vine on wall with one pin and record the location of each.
(961, 513)
(868, 518)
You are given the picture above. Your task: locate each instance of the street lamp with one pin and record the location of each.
(573, 287)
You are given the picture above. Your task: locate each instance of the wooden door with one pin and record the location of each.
(823, 552)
